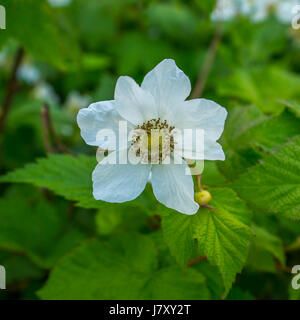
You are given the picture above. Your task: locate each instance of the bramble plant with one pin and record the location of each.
(199, 198)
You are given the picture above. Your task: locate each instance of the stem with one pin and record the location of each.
(199, 176)
(196, 260)
(208, 62)
(11, 89)
(48, 130)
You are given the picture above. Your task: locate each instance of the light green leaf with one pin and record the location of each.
(274, 185)
(224, 234)
(65, 175)
(126, 268)
(178, 235)
(292, 105)
(262, 86)
(107, 220)
(271, 132)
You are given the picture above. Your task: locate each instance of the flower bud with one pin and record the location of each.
(203, 197)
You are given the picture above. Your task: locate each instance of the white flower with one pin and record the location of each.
(162, 96)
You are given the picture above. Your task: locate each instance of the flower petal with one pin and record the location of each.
(134, 103)
(168, 85)
(99, 116)
(113, 182)
(174, 188)
(206, 115)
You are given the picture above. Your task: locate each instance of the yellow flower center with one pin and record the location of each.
(153, 141)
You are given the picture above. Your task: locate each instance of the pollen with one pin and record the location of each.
(153, 141)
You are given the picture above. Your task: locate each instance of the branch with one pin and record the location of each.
(11, 88)
(48, 131)
(208, 62)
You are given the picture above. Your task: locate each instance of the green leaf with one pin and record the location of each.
(125, 268)
(34, 227)
(171, 283)
(274, 185)
(65, 175)
(264, 248)
(20, 268)
(224, 234)
(43, 39)
(271, 132)
(178, 235)
(268, 242)
(238, 294)
(213, 277)
(261, 86)
(292, 105)
(237, 158)
(107, 220)
(211, 176)
(246, 143)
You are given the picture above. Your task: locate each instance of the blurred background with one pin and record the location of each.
(69, 53)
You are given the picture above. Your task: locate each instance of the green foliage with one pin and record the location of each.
(65, 175)
(178, 234)
(273, 184)
(224, 235)
(125, 268)
(20, 26)
(264, 248)
(236, 248)
(262, 87)
(33, 227)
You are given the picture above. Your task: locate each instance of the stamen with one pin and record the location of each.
(158, 133)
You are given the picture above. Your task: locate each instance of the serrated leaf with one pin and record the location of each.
(224, 234)
(274, 185)
(123, 269)
(237, 158)
(271, 132)
(65, 175)
(244, 147)
(178, 235)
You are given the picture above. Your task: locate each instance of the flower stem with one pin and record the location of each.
(199, 176)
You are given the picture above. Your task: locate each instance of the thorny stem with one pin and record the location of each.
(208, 62)
(48, 131)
